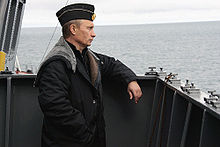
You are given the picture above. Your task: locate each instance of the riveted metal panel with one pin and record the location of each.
(210, 131)
(194, 128)
(160, 89)
(26, 116)
(127, 123)
(3, 95)
(178, 118)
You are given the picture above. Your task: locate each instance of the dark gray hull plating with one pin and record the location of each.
(164, 117)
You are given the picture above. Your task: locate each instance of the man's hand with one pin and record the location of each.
(134, 91)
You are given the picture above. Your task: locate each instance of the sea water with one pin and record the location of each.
(192, 50)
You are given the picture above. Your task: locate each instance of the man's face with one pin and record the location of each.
(85, 33)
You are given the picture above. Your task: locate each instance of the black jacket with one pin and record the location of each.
(72, 101)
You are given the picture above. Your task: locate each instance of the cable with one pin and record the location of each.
(48, 45)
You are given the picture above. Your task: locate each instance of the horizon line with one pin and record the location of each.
(130, 24)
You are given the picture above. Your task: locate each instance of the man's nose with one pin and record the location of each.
(93, 34)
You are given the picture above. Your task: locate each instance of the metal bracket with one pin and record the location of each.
(22, 1)
(6, 71)
(173, 80)
(193, 91)
(186, 86)
(213, 99)
(152, 71)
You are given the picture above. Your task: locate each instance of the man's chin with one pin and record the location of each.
(89, 44)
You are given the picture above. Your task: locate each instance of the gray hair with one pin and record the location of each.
(66, 27)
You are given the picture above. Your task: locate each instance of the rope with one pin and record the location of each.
(48, 45)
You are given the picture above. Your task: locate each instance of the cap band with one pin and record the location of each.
(74, 10)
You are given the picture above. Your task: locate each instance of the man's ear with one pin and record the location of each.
(73, 28)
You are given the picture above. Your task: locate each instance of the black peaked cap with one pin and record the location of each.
(76, 11)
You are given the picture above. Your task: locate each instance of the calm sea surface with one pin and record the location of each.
(190, 49)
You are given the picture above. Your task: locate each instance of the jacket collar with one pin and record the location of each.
(92, 61)
(62, 49)
(94, 78)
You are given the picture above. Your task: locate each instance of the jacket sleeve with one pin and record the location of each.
(116, 70)
(53, 98)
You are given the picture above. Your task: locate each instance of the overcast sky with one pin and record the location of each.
(40, 13)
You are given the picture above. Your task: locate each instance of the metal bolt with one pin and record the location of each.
(217, 95)
(211, 92)
(175, 75)
(192, 85)
(152, 68)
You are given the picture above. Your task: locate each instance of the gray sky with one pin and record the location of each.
(40, 13)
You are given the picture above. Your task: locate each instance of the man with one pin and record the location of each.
(69, 82)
